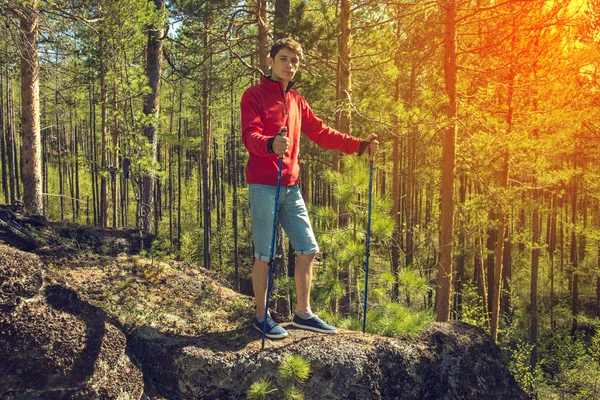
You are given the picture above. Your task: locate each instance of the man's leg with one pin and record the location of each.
(260, 276)
(262, 205)
(304, 317)
(303, 279)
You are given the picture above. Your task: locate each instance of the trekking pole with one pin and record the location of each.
(368, 249)
(282, 132)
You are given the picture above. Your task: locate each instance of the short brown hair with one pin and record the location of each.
(286, 43)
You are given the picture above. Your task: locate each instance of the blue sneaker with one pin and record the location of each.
(313, 324)
(274, 330)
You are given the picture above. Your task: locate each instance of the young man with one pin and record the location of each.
(266, 109)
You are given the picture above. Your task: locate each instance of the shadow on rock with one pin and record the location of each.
(55, 345)
(94, 319)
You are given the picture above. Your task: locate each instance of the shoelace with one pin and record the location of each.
(271, 323)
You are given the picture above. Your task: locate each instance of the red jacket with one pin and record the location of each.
(265, 109)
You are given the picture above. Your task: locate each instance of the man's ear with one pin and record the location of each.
(270, 61)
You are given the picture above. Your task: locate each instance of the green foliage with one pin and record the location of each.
(413, 282)
(397, 320)
(262, 390)
(191, 246)
(160, 249)
(575, 366)
(294, 369)
(520, 366)
(292, 393)
(472, 307)
(285, 286)
(292, 374)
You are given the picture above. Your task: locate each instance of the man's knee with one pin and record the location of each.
(306, 258)
(261, 264)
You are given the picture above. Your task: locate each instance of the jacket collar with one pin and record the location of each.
(276, 84)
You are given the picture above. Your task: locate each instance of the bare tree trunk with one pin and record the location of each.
(410, 202)
(535, 261)
(103, 214)
(498, 253)
(263, 35)
(234, 212)
(505, 300)
(154, 60)
(282, 14)
(92, 153)
(30, 106)
(444, 277)
(598, 283)
(479, 276)
(115, 161)
(551, 250)
(179, 167)
(396, 199)
(206, 149)
(573, 255)
(460, 262)
(61, 190)
(3, 126)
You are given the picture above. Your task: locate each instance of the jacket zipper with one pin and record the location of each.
(283, 96)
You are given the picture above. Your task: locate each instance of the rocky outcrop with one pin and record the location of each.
(54, 345)
(100, 240)
(448, 361)
(191, 338)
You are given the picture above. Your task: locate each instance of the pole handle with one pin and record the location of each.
(283, 131)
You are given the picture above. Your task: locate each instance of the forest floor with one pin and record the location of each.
(174, 297)
(177, 297)
(191, 334)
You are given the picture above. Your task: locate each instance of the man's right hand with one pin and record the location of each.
(281, 142)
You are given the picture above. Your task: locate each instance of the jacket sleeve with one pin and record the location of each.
(325, 136)
(252, 125)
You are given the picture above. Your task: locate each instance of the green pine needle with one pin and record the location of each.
(294, 369)
(262, 389)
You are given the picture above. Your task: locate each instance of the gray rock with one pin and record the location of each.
(448, 361)
(53, 344)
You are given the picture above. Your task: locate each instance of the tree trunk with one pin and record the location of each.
(479, 276)
(115, 156)
(154, 60)
(551, 250)
(10, 144)
(396, 199)
(460, 262)
(282, 14)
(506, 277)
(343, 122)
(92, 153)
(103, 214)
(61, 190)
(179, 166)
(444, 277)
(263, 35)
(30, 106)
(3, 125)
(234, 212)
(535, 260)
(573, 255)
(496, 287)
(410, 202)
(206, 149)
(598, 283)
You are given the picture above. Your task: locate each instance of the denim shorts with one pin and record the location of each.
(292, 215)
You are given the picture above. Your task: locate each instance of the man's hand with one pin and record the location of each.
(281, 142)
(373, 145)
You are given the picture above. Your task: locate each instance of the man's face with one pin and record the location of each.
(285, 65)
